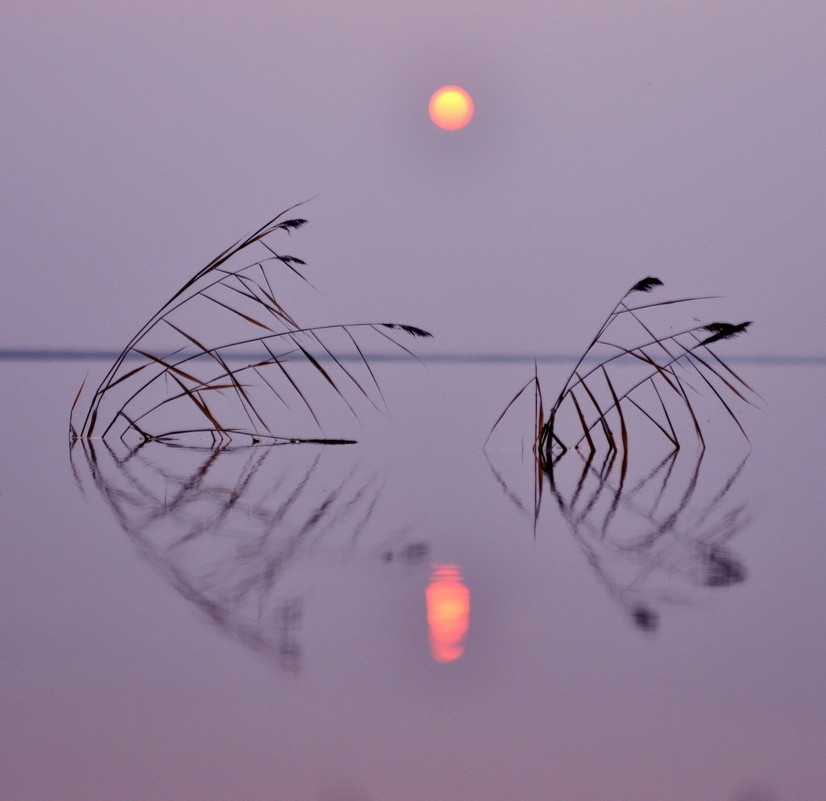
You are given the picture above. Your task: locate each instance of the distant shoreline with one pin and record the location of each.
(79, 354)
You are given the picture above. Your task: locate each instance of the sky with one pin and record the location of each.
(611, 141)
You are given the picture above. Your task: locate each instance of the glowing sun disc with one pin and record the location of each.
(451, 107)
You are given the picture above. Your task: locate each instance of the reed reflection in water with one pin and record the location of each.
(653, 535)
(230, 527)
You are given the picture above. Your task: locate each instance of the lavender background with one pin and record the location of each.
(611, 141)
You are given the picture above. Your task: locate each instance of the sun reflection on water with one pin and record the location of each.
(448, 613)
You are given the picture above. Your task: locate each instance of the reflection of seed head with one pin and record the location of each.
(722, 569)
(645, 618)
(416, 552)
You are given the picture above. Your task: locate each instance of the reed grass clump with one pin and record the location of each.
(598, 402)
(223, 355)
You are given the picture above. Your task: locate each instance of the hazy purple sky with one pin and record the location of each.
(611, 141)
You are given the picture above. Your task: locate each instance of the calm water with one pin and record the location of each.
(397, 620)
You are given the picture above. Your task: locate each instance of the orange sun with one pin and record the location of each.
(451, 107)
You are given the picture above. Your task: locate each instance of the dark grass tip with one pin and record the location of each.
(724, 331)
(408, 329)
(291, 225)
(646, 285)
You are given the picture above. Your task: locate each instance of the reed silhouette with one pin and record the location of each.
(225, 349)
(600, 398)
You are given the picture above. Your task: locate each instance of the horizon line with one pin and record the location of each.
(89, 354)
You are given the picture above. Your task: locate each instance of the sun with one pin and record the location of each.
(451, 107)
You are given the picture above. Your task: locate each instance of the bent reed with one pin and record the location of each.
(184, 370)
(670, 370)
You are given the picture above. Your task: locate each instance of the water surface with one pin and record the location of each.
(406, 618)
